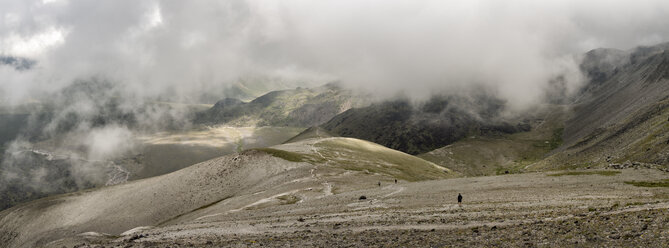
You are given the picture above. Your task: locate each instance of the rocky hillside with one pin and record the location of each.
(622, 115)
(505, 153)
(619, 119)
(300, 107)
(421, 127)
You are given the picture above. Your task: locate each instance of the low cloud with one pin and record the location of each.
(184, 48)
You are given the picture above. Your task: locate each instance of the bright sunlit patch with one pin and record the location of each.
(35, 44)
(154, 18)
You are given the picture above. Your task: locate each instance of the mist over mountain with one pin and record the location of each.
(301, 107)
(170, 48)
(107, 96)
(620, 116)
(422, 127)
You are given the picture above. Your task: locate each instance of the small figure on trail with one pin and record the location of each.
(395, 181)
(459, 199)
(379, 183)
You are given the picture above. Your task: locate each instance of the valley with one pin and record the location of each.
(328, 167)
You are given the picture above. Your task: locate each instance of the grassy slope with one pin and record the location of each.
(359, 155)
(310, 133)
(642, 137)
(249, 89)
(299, 107)
(491, 155)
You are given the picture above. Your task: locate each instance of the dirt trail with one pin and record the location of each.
(512, 210)
(327, 187)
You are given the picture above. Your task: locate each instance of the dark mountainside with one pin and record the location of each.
(619, 118)
(622, 115)
(424, 127)
(300, 107)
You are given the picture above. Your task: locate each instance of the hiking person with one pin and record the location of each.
(459, 199)
(395, 181)
(379, 183)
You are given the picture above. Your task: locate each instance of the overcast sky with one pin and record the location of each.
(150, 47)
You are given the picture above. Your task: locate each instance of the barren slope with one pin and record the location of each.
(588, 208)
(283, 174)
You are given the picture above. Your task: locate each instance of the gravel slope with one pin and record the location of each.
(254, 179)
(532, 209)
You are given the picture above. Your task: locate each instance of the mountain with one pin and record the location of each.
(422, 127)
(300, 107)
(505, 153)
(618, 119)
(622, 115)
(316, 187)
(249, 88)
(258, 178)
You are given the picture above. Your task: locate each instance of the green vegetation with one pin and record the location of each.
(662, 183)
(556, 141)
(298, 107)
(583, 173)
(372, 158)
(240, 145)
(506, 153)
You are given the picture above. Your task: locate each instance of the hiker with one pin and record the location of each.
(459, 199)
(379, 183)
(395, 181)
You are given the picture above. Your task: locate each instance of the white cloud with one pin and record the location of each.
(162, 47)
(108, 142)
(35, 44)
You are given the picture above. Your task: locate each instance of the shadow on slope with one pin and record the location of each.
(505, 153)
(419, 128)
